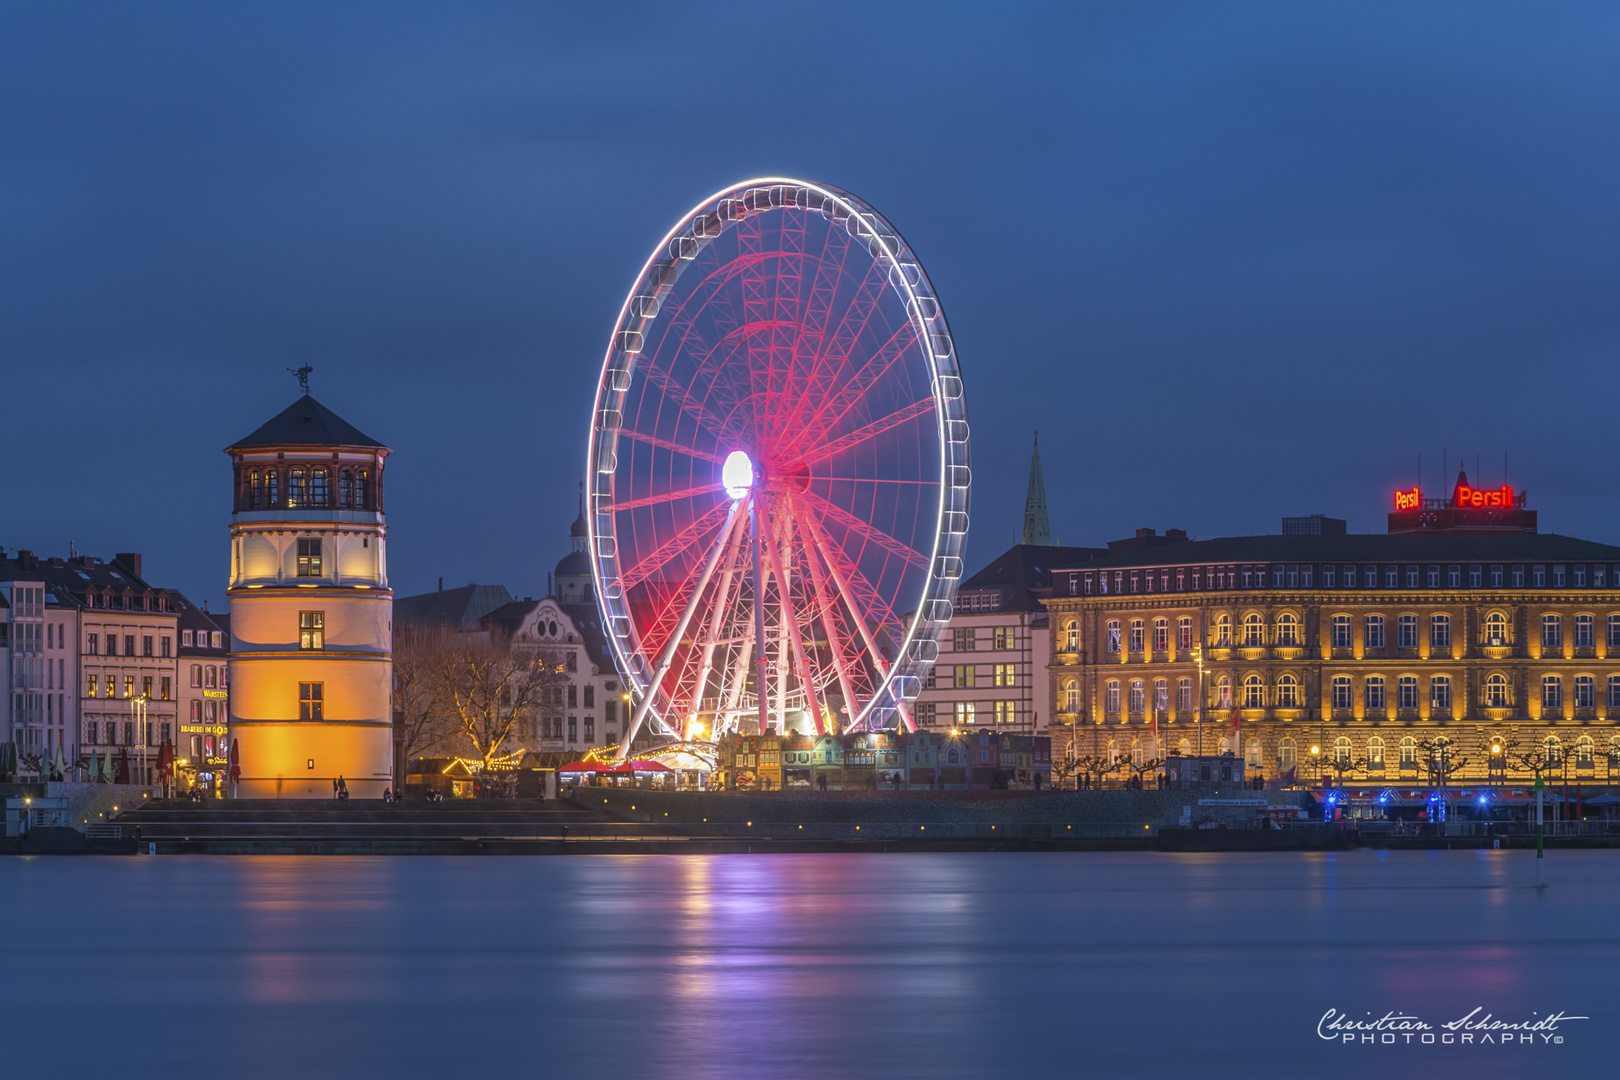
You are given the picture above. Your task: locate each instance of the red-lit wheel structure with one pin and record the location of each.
(778, 470)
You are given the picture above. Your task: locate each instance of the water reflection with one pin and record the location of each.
(810, 966)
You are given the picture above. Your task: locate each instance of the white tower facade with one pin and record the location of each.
(311, 612)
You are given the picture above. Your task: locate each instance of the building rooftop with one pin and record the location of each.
(461, 608)
(306, 422)
(1008, 583)
(1362, 547)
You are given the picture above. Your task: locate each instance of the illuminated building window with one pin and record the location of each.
(1373, 631)
(1496, 629)
(165, 688)
(1287, 692)
(1552, 692)
(1375, 753)
(1223, 631)
(1440, 631)
(208, 677)
(1138, 696)
(309, 556)
(312, 630)
(1161, 695)
(196, 674)
(1184, 695)
(1071, 635)
(1375, 692)
(90, 684)
(1552, 750)
(1113, 636)
(1496, 692)
(962, 678)
(1006, 712)
(1406, 692)
(964, 713)
(1254, 631)
(1223, 693)
(1558, 577)
(255, 492)
(1440, 692)
(129, 686)
(1161, 635)
(320, 491)
(1287, 630)
(1287, 754)
(1184, 633)
(1252, 754)
(1552, 632)
(1585, 632)
(1254, 692)
(1071, 696)
(1585, 692)
(1004, 638)
(1583, 752)
(295, 488)
(1408, 752)
(1454, 577)
(1005, 674)
(1434, 577)
(1111, 696)
(1538, 576)
(1406, 632)
(1341, 692)
(311, 700)
(1341, 751)
(362, 489)
(1341, 631)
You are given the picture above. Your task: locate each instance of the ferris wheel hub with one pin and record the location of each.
(737, 474)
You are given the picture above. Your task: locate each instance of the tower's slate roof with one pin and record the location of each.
(306, 422)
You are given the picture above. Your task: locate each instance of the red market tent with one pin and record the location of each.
(608, 768)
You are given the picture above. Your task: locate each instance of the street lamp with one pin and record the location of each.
(137, 712)
(1316, 763)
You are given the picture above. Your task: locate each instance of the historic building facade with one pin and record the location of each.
(1482, 648)
(311, 610)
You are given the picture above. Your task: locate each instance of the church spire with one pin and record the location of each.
(1037, 529)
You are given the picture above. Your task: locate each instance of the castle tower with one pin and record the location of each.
(1037, 529)
(311, 611)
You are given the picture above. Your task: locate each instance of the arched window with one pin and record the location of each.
(345, 489)
(1342, 692)
(196, 712)
(1408, 752)
(1585, 632)
(1223, 693)
(1442, 751)
(1585, 692)
(272, 489)
(1496, 630)
(1253, 754)
(1287, 630)
(208, 676)
(1406, 692)
(1375, 692)
(295, 488)
(1223, 631)
(1113, 751)
(1584, 752)
(196, 674)
(255, 492)
(1111, 696)
(1184, 633)
(1254, 692)
(1552, 692)
(1071, 696)
(1341, 751)
(1440, 631)
(1071, 635)
(1496, 691)
(362, 489)
(1287, 692)
(1136, 753)
(320, 492)
(1161, 635)
(1184, 696)
(1254, 631)
(1552, 632)
(1440, 692)
(1161, 695)
(1287, 754)
(1138, 696)
(1375, 753)
(1225, 747)
(1184, 748)
(1552, 751)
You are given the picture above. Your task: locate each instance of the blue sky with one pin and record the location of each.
(1234, 261)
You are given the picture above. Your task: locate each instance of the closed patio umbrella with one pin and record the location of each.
(107, 767)
(235, 774)
(123, 766)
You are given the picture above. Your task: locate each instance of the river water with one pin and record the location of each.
(823, 966)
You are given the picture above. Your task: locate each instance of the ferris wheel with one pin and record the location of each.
(778, 470)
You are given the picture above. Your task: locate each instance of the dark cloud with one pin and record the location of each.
(1234, 262)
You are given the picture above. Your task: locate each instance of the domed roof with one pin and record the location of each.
(574, 564)
(579, 530)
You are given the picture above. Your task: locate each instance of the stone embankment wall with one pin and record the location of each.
(93, 803)
(968, 807)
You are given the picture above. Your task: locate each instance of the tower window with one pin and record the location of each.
(312, 630)
(309, 556)
(295, 488)
(362, 489)
(272, 488)
(311, 697)
(255, 492)
(320, 492)
(345, 489)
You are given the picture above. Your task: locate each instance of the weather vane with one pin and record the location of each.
(303, 376)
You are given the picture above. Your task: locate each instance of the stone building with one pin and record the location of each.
(1402, 656)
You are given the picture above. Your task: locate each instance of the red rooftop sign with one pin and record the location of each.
(1473, 498)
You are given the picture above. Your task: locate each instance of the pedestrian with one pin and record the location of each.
(334, 788)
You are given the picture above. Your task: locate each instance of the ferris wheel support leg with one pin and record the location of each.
(860, 624)
(834, 642)
(651, 692)
(795, 638)
(711, 640)
(760, 660)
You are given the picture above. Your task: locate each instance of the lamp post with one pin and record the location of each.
(137, 713)
(1198, 659)
(1316, 763)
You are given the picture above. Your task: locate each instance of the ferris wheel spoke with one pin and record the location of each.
(870, 533)
(668, 497)
(838, 403)
(660, 557)
(716, 426)
(666, 444)
(866, 433)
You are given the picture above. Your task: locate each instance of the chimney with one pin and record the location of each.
(25, 559)
(441, 584)
(130, 562)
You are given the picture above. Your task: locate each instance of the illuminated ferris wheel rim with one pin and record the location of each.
(905, 279)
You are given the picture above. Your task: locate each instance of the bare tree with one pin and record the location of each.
(419, 654)
(491, 695)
